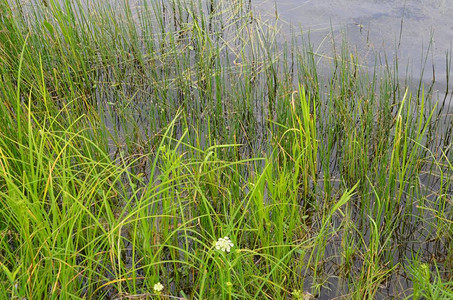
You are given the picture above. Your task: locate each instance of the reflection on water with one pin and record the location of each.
(397, 28)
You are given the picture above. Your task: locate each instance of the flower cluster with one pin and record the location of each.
(224, 244)
(158, 287)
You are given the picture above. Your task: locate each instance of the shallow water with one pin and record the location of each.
(371, 26)
(397, 28)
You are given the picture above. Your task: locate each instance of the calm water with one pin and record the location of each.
(398, 28)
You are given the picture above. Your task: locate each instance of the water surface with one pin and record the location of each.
(414, 30)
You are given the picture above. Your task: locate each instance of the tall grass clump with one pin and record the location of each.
(182, 150)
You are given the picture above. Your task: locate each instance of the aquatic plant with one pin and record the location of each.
(133, 136)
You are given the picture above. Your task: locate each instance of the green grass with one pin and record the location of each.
(133, 137)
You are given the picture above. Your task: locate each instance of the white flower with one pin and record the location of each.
(224, 244)
(158, 287)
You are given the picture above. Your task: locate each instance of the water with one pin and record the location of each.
(416, 33)
(412, 30)
(389, 28)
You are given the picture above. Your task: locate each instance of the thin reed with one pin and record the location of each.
(181, 150)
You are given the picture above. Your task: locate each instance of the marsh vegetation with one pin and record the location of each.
(178, 150)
